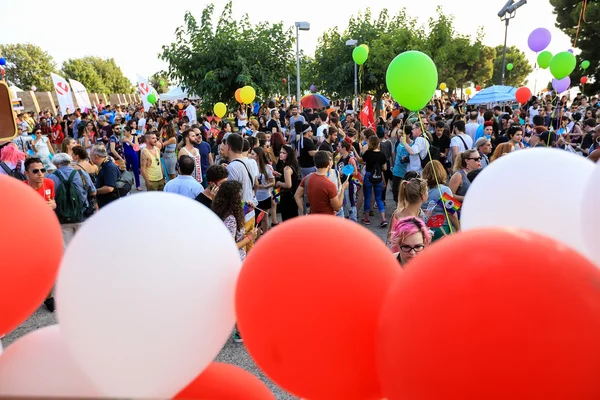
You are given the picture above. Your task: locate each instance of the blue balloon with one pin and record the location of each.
(348, 170)
(2, 61)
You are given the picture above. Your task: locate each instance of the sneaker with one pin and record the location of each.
(237, 337)
(49, 303)
(371, 213)
(383, 224)
(366, 221)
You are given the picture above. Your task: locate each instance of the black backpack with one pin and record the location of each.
(376, 176)
(15, 173)
(69, 207)
(434, 151)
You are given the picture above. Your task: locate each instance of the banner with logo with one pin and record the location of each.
(81, 95)
(145, 90)
(63, 92)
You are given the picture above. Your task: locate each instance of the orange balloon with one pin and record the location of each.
(238, 95)
(221, 381)
(489, 313)
(32, 247)
(309, 315)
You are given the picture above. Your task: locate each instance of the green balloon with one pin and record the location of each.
(509, 67)
(585, 64)
(412, 79)
(544, 59)
(360, 55)
(162, 83)
(151, 98)
(562, 65)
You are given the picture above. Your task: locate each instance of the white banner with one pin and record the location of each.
(81, 95)
(145, 90)
(63, 92)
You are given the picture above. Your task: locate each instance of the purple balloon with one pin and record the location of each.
(570, 51)
(313, 88)
(561, 85)
(539, 39)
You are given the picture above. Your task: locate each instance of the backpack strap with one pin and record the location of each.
(6, 168)
(465, 143)
(82, 179)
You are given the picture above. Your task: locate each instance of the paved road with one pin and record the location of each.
(232, 353)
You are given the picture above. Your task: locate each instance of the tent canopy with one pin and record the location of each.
(177, 93)
(494, 94)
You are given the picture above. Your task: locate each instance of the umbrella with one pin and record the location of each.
(315, 100)
(494, 94)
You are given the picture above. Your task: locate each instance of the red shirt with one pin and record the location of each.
(47, 189)
(319, 191)
(57, 136)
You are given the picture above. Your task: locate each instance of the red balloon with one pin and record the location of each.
(583, 80)
(238, 95)
(493, 314)
(308, 313)
(284, 80)
(478, 88)
(523, 94)
(32, 247)
(220, 381)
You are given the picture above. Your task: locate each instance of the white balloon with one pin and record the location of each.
(145, 294)
(538, 189)
(590, 220)
(39, 364)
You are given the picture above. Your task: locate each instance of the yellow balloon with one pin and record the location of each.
(443, 86)
(220, 109)
(247, 94)
(468, 91)
(365, 46)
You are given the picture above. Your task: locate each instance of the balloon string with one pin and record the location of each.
(581, 16)
(437, 181)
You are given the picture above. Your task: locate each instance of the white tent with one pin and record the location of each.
(176, 93)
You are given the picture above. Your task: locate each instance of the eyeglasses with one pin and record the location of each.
(475, 159)
(407, 249)
(37, 171)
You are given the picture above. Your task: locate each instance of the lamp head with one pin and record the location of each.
(303, 26)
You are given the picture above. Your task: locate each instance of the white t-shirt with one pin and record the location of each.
(320, 130)
(471, 129)
(190, 112)
(419, 146)
(264, 194)
(532, 113)
(456, 142)
(238, 172)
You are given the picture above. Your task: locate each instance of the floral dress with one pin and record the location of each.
(231, 224)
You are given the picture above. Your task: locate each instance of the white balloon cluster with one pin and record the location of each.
(548, 191)
(145, 299)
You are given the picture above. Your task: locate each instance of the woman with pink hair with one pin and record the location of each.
(408, 237)
(11, 158)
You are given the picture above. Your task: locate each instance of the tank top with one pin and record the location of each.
(197, 165)
(464, 186)
(155, 172)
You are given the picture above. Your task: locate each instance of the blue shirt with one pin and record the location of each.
(204, 149)
(399, 168)
(185, 185)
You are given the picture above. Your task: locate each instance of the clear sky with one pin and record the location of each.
(133, 31)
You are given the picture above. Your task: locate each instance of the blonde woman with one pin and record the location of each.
(466, 162)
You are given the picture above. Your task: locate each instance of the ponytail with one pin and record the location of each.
(402, 201)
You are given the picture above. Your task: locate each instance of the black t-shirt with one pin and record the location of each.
(273, 124)
(204, 200)
(107, 176)
(326, 146)
(305, 159)
(356, 148)
(371, 158)
(587, 141)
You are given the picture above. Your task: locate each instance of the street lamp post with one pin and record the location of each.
(300, 26)
(353, 43)
(507, 13)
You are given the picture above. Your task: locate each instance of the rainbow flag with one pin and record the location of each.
(277, 195)
(247, 207)
(357, 182)
(450, 203)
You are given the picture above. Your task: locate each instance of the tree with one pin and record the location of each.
(213, 62)
(520, 72)
(111, 75)
(386, 38)
(568, 14)
(27, 65)
(160, 81)
(83, 71)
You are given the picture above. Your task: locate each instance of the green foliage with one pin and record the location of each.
(567, 18)
(160, 81)
(98, 75)
(518, 75)
(213, 62)
(28, 65)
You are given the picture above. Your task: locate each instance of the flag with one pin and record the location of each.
(277, 195)
(63, 92)
(145, 90)
(452, 205)
(357, 182)
(81, 95)
(367, 118)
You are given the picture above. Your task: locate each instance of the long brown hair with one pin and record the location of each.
(502, 149)
(261, 159)
(228, 201)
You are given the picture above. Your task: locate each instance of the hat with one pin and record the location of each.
(488, 123)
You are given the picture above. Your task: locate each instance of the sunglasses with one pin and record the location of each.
(37, 171)
(475, 159)
(407, 249)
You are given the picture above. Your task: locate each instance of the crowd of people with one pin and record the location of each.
(267, 164)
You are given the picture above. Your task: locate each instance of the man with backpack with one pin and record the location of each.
(74, 188)
(108, 176)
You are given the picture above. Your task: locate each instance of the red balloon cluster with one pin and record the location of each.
(523, 94)
(32, 247)
(583, 80)
(345, 321)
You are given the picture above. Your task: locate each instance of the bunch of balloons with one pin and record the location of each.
(360, 54)
(411, 79)
(245, 95)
